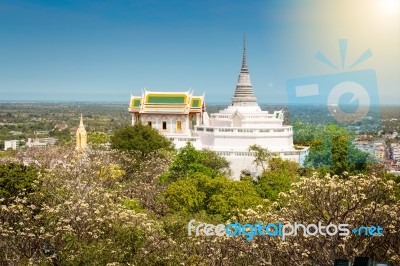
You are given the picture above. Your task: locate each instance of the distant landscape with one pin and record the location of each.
(31, 118)
(131, 198)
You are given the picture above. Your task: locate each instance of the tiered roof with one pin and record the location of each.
(244, 95)
(167, 102)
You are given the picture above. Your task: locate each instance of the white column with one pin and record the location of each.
(187, 124)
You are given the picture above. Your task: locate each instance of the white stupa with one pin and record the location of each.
(230, 133)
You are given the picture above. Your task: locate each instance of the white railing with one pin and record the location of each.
(184, 139)
(252, 154)
(230, 130)
(256, 117)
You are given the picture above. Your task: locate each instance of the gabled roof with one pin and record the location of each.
(166, 102)
(237, 113)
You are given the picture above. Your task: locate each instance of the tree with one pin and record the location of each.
(332, 151)
(304, 133)
(232, 196)
(279, 178)
(340, 149)
(111, 172)
(214, 161)
(72, 217)
(215, 196)
(357, 201)
(261, 156)
(183, 196)
(63, 136)
(97, 139)
(142, 138)
(15, 177)
(190, 161)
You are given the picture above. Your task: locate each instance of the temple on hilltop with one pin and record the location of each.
(182, 117)
(81, 137)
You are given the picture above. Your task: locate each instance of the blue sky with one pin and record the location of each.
(106, 50)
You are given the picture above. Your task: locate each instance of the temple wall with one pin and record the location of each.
(171, 123)
(239, 163)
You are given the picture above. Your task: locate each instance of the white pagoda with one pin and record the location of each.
(182, 117)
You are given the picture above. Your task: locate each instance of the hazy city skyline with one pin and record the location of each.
(91, 51)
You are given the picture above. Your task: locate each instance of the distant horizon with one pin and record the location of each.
(103, 51)
(127, 103)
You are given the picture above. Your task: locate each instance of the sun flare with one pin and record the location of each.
(390, 6)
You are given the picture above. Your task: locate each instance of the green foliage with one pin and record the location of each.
(127, 241)
(214, 161)
(8, 153)
(340, 154)
(332, 150)
(356, 201)
(215, 196)
(304, 133)
(262, 156)
(183, 195)
(190, 161)
(85, 213)
(97, 139)
(279, 177)
(111, 172)
(63, 136)
(73, 217)
(132, 204)
(232, 195)
(379, 170)
(16, 177)
(144, 139)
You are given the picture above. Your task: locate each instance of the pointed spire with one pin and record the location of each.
(81, 137)
(244, 90)
(81, 123)
(244, 62)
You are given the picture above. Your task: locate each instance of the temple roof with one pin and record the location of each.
(166, 102)
(244, 95)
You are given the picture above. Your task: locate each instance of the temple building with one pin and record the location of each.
(175, 114)
(81, 137)
(182, 117)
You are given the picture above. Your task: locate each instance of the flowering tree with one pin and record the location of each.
(143, 181)
(357, 201)
(74, 216)
(109, 208)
